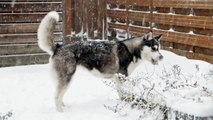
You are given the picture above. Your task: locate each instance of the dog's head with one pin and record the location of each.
(151, 47)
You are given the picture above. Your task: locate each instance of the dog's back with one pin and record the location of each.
(90, 54)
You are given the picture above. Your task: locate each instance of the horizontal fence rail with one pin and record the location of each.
(186, 25)
(19, 22)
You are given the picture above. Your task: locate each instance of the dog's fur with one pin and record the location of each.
(105, 57)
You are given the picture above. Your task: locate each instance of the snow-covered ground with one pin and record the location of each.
(27, 92)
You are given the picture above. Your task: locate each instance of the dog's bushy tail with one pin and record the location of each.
(45, 32)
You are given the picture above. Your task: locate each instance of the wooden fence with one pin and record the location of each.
(85, 17)
(19, 21)
(186, 25)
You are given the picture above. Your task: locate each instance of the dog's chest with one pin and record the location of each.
(97, 73)
(133, 65)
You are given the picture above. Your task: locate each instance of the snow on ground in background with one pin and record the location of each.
(28, 92)
(188, 69)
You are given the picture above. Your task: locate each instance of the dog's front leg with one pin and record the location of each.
(119, 84)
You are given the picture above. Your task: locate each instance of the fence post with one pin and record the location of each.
(101, 19)
(151, 14)
(127, 17)
(67, 20)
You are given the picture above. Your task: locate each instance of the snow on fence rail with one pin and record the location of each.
(19, 21)
(186, 25)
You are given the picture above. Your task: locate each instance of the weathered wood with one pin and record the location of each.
(116, 14)
(91, 14)
(67, 20)
(89, 17)
(177, 37)
(24, 38)
(139, 2)
(198, 4)
(115, 1)
(203, 50)
(23, 28)
(188, 39)
(191, 55)
(166, 19)
(6, 7)
(31, 1)
(19, 21)
(79, 21)
(13, 49)
(22, 17)
(101, 20)
(200, 41)
(117, 26)
(24, 59)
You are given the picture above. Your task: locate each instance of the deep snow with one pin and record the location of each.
(27, 92)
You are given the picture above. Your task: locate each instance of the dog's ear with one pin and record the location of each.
(145, 41)
(158, 37)
(148, 36)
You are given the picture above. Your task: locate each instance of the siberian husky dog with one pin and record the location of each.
(103, 57)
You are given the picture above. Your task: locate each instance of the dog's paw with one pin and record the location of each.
(60, 110)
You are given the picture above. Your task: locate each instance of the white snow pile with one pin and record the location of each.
(177, 83)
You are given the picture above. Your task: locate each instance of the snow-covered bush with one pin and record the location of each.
(166, 95)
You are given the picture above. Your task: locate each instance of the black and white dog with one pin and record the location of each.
(103, 57)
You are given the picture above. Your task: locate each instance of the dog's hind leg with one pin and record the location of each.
(61, 88)
(60, 91)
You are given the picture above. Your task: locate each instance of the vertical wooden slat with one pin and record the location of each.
(101, 22)
(78, 20)
(67, 20)
(91, 17)
(127, 17)
(84, 15)
(151, 14)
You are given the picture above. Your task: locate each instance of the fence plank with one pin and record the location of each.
(16, 1)
(25, 59)
(22, 17)
(23, 28)
(24, 38)
(115, 1)
(188, 39)
(79, 22)
(13, 49)
(101, 19)
(191, 55)
(116, 14)
(166, 19)
(138, 2)
(176, 37)
(198, 4)
(19, 21)
(67, 19)
(30, 7)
